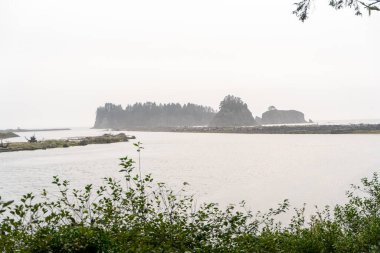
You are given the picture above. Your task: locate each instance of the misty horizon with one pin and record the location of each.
(55, 70)
(215, 108)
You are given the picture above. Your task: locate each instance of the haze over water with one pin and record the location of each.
(224, 168)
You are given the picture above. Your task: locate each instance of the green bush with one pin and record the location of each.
(137, 214)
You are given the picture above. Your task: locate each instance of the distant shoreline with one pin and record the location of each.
(7, 135)
(33, 130)
(272, 129)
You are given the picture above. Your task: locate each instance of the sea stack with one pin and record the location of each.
(275, 116)
(232, 112)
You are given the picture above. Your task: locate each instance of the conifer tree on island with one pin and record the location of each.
(233, 112)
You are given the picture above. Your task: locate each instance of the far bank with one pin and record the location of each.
(270, 129)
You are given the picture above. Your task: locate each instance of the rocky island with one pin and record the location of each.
(233, 117)
(274, 116)
(150, 116)
(34, 144)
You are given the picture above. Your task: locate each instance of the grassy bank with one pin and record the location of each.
(137, 214)
(83, 141)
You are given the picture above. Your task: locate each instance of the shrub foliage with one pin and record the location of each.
(137, 214)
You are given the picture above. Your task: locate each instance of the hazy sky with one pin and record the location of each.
(60, 60)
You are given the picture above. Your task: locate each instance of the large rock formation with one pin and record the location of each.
(274, 116)
(152, 115)
(233, 112)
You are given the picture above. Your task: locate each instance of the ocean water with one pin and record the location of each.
(225, 168)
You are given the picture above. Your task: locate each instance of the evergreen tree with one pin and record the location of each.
(233, 112)
(150, 114)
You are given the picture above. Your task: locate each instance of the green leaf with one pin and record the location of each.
(8, 203)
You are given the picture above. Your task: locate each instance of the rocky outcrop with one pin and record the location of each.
(274, 116)
(233, 112)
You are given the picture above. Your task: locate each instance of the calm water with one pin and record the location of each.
(224, 168)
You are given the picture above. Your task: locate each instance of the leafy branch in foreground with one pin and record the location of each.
(137, 214)
(302, 10)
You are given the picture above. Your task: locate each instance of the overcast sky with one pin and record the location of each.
(60, 60)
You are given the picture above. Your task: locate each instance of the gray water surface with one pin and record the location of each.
(223, 168)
